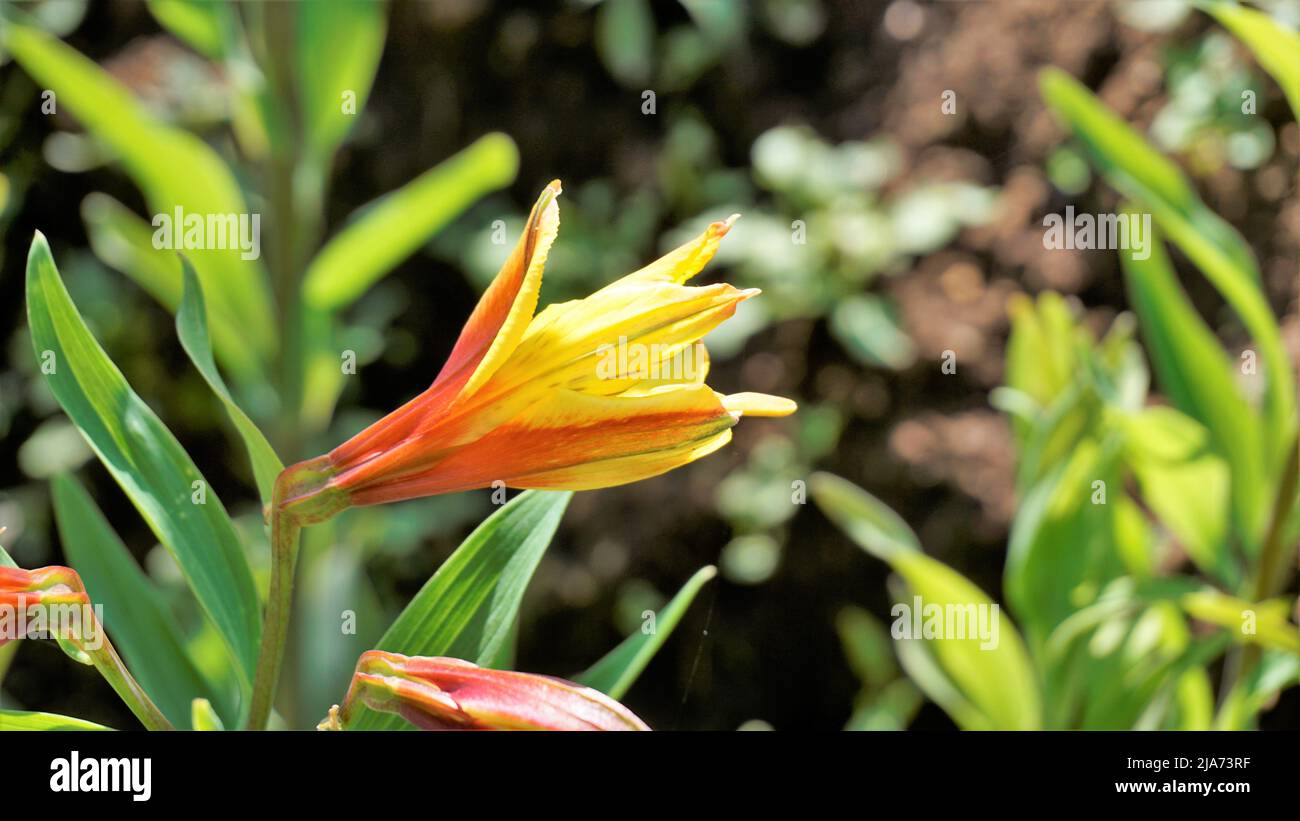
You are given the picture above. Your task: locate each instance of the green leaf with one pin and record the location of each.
(1062, 542)
(124, 241)
(21, 720)
(625, 40)
(995, 678)
(1264, 623)
(203, 717)
(206, 26)
(383, 233)
(869, 522)
(351, 33)
(135, 615)
(1194, 372)
(467, 609)
(145, 459)
(868, 329)
(618, 669)
(1155, 182)
(999, 681)
(173, 168)
(192, 328)
(1276, 47)
(1184, 482)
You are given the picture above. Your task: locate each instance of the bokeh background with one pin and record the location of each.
(920, 225)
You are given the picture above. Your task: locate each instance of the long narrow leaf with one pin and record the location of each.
(618, 669)
(467, 610)
(1145, 175)
(192, 328)
(124, 241)
(1275, 46)
(173, 168)
(1195, 373)
(997, 684)
(135, 615)
(145, 459)
(18, 720)
(386, 231)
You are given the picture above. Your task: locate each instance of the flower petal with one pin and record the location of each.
(685, 261)
(567, 440)
(759, 404)
(502, 315)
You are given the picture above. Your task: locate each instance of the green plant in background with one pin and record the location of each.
(1209, 86)
(1137, 521)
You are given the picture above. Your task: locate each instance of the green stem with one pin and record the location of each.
(110, 666)
(279, 605)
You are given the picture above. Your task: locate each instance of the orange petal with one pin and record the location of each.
(502, 315)
(492, 332)
(567, 440)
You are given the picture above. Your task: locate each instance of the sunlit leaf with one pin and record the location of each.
(1276, 46)
(385, 232)
(145, 459)
(1194, 372)
(173, 168)
(17, 720)
(467, 610)
(192, 328)
(333, 90)
(1155, 182)
(997, 684)
(204, 25)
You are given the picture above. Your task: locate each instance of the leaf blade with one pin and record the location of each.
(386, 231)
(192, 328)
(467, 609)
(615, 672)
(145, 459)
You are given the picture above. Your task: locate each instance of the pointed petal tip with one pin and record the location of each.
(758, 404)
(554, 187)
(719, 228)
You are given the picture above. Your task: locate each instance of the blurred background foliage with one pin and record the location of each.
(886, 230)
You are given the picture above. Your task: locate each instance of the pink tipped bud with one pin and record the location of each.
(451, 694)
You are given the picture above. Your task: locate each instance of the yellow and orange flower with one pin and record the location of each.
(551, 400)
(452, 694)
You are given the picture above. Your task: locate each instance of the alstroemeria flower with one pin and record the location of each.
(587, 394)
(451, 694)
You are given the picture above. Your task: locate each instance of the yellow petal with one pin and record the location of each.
(532, 250)
(758, 404)
(686, 260)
